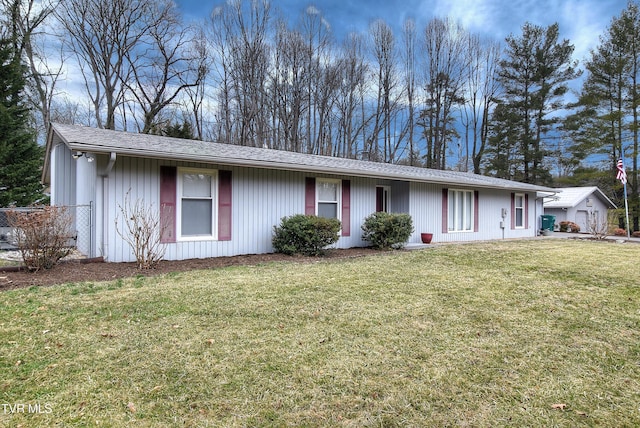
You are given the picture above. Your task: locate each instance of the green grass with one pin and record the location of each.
(482, 335)
(6, 263)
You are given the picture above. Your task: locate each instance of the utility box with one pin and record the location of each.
(548, 221)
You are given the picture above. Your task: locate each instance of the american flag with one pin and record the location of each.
(622, 174)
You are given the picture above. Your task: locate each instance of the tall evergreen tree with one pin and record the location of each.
(503, 157)
(534, 74)
(598, 126)
(609, 106)
(20, 154)
(626, 31)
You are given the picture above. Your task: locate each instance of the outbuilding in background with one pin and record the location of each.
(577, 204)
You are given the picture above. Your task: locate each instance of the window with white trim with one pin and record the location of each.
(382, 198)
(328, 192)
(196, 210)
(460, 211)
(518, 206)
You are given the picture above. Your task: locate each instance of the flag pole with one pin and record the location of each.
(626, 210)
(622, 176)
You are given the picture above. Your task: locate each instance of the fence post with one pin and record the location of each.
(91, 225)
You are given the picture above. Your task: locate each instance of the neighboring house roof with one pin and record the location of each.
(93, 140)
(569, 197)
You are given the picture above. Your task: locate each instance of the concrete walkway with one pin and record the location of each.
(554, 235)
(569, 235)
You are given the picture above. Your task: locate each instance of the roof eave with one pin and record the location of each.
(606, 199)
(100, 149)
(45, 178)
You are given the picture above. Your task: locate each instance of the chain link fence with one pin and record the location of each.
(81, 228)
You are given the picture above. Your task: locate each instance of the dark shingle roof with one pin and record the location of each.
(93, 140)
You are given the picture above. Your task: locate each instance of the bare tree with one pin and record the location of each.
(445, 44)
(326, 97)
(353, 69)
(482, 90)
(288, 89)
(250, 56)
(316, 32)
(220, 35)
(410, 68)
(27, 21)
(103, 37)
(387, 82)
(239, 33)
(195, 94)
(163, 65)
(68, 111)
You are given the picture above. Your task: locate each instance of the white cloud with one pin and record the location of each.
(583, 26)
(473, 15)
(580, 21)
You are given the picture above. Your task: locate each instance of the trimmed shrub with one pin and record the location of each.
(305, 234)
(620, 232)
(569, 226)
(385, 231)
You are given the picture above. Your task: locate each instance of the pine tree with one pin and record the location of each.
(534, 74)
(503, 156)
(609, 106)
(20, 154)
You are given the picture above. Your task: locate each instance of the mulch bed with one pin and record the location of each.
(75, 271)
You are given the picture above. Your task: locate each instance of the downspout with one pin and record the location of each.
(105, 194)
(112, 161)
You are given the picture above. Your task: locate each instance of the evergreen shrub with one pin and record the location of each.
(387, 230)
(308, 235)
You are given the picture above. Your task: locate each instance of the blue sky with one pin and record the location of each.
(581, 21)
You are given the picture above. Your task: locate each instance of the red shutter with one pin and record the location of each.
(526, 211)
(310, 196)
(476, 220)
(445, 210)
(346, 208)
(224, 205)
(168, 183)
(379, 199)
(513, 211)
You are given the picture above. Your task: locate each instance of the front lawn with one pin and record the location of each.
(528, 333)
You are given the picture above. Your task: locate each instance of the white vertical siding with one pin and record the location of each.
(559, 213)
(425, 207)
(426, 211)
(63, 176)
(136, 179)
(539, 212)
(260, 198)
(363, 204)
(73, 183)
